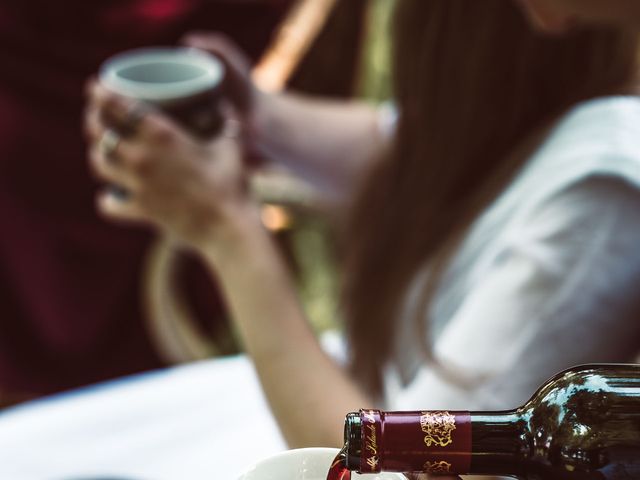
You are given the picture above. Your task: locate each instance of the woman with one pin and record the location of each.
(501, 218)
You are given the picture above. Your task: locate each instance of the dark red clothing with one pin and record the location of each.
(70, 282)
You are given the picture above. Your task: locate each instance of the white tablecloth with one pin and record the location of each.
(205, 421)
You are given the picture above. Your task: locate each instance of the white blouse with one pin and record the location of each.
(548, 277)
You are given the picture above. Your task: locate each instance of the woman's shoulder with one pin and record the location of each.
(616, 113)
(597, 138)
(593, 133)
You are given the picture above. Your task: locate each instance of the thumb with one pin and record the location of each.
(238, 86)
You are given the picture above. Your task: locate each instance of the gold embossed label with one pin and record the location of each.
(371, 425)
(437, 442)
(437, 467)
(438, 428)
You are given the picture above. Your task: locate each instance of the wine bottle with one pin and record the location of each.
(583, 424)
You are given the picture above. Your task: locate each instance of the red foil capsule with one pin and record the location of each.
(429, 441)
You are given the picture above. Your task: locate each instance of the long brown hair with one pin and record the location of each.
(472, 83)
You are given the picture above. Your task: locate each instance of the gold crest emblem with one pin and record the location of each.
(438, 428)
(437, 467)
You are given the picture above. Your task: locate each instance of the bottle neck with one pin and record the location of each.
(499, 443)
(496, 442)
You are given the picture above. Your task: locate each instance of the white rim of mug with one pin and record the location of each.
(161, 92)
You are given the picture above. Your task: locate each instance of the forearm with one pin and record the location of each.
(329, 143)
(308, 392)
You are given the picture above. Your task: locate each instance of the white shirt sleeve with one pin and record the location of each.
(562, 292)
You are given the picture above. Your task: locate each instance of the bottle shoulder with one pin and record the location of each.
(586, 419)
(593, 376)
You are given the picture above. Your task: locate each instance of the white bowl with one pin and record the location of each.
(303, 464)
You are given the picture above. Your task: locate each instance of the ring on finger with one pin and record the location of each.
(109, 142)
(119, 193)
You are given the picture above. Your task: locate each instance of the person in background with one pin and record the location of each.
(491, 233)
(71, 285)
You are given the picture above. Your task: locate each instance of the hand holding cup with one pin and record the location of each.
(173, 167)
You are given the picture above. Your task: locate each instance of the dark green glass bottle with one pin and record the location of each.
(583, 424)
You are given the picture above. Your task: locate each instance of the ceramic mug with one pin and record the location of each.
(183, 82)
